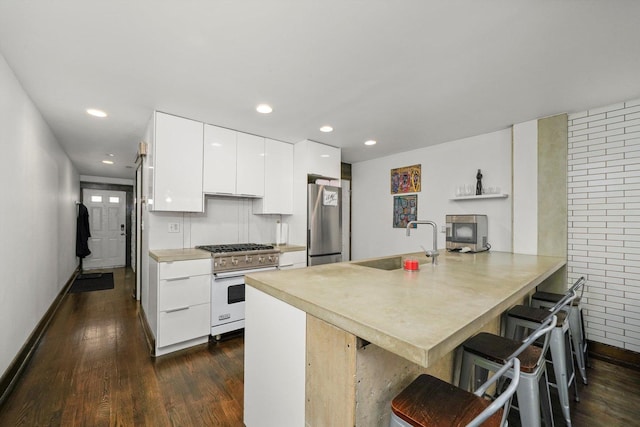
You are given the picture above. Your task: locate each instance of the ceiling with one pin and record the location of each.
(405, 73)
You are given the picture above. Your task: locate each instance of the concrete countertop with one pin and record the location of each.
(421, 315)
(290, 248)
(169, 255)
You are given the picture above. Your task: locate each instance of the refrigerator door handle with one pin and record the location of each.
(308, 239)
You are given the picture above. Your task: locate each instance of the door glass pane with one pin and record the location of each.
(114, 199)
(96, 199)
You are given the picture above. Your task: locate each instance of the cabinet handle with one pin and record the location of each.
(173, 279)
(173, 310)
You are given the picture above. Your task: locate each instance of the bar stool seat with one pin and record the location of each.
(551, 297)
(498, 349)
(576, 323)
(431, 402)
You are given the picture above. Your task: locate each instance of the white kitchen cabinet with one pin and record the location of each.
(219, 160)
(278, 179)
(250, 165)
(323, 160)
(233, 163)
(291, 260)
(179, 310)
(177, 168)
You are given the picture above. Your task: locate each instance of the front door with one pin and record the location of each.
(107, 225)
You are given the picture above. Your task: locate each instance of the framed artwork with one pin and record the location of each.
(405, 209)
(406, 179)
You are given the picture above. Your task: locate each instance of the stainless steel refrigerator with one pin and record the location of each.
(324, 224)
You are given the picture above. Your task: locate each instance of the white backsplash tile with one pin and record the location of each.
(229, 220)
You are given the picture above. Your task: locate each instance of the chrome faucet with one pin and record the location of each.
(434, 252)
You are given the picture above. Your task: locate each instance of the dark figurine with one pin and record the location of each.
(479, 183)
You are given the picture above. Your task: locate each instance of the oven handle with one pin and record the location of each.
(231, 274)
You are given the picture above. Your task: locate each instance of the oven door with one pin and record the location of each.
(227, 299)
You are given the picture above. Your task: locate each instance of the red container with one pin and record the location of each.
(411, 265)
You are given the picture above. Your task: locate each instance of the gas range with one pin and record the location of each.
(242, 256)
(230, 263)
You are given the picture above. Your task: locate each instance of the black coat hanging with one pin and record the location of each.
(82, 232)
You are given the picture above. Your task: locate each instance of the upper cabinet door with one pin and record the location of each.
(323, 160)
(278, 179)
(219, 160)
(250, 173)
(177, 164)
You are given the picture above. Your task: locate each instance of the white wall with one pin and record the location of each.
(604, 220)
(444, 168)
(38, 216)
(525, 188)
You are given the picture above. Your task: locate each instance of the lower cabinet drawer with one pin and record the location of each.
(183, 324)
(182, 292)
(191, 267)
(294, 259)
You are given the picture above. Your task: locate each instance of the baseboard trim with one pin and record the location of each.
(615, 355)
(19, 363)
(148, 335)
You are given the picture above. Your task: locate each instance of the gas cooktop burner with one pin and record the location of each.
(235, 247)
(242, 256)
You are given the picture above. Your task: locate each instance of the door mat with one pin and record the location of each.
(92, 283)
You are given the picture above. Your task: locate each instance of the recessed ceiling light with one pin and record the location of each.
(370, 142)
(264, 109)
(96, 113)
(326, 128)
(110, 154)
(324, 155)
(107, 162)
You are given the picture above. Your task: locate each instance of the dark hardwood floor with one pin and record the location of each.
(93, 368)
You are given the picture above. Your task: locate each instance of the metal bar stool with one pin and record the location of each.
(576, 324)
(429, 401)
(560, 344)
(487, 352)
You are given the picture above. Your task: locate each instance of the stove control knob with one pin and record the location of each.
(234, 261)
(223, 262)
(248, 259)
(261, 260)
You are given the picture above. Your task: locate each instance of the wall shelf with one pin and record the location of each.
(484, 196)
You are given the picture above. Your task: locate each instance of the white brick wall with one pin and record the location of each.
(604, 220)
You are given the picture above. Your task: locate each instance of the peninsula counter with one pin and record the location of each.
(332, 344)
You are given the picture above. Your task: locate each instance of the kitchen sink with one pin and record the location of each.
(391, 263)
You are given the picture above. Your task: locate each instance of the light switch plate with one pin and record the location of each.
(174, 227)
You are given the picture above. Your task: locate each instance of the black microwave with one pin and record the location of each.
(467, 231)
